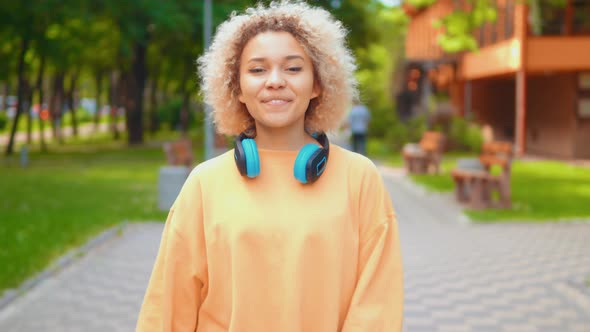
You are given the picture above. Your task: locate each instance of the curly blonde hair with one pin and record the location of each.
(321, 36)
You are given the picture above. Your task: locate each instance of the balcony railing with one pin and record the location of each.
(494, 32)
(550, 20)
(544, 19)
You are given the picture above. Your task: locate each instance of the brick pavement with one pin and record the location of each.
(458, 276)
(489, 277)
(101, 291)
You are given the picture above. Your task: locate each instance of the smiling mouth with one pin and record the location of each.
(276, 102)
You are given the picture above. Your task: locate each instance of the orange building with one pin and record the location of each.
(529, 80)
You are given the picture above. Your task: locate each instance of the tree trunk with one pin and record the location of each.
(19, 95)
(136, 86)
(184, 113)
(28, 99)
(56, 106)
(123, 93)
(114, 104)
(185, 103)
(165, 98)
(39, 88)
(71, 104)
(5, 93)
(154, 102)
(98, 80)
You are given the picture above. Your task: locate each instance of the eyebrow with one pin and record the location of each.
(288, 57)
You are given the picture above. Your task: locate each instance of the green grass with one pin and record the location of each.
(441, 182)
(541, 191)
(64, 198)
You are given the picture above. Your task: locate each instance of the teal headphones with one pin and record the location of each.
(309, 165)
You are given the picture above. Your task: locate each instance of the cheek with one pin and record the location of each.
(248, 88)
(307, 84)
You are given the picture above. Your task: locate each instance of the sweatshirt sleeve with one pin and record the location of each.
(174, 293)
(377, 302)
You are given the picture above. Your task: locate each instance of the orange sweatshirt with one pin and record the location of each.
(271, 254)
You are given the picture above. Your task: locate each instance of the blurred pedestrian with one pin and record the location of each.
(273, 236)
(358, 122)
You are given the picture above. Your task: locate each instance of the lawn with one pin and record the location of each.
(64, 198)
(541, 191)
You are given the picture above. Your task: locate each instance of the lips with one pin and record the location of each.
(276, 100)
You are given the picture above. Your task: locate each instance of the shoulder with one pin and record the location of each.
(214, 166)
(206, 176)
(213, 170)
(357, 164)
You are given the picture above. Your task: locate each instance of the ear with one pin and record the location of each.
(317, 89)
(241, 97)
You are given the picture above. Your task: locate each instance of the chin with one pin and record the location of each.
(278, 123)
(275, 125)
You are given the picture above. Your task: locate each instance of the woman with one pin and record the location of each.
(285, 232)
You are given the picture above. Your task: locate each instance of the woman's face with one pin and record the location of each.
(276, 81)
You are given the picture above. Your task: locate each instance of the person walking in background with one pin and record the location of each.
(286, 232)
(358, 122)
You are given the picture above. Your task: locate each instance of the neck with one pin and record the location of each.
(282, 138)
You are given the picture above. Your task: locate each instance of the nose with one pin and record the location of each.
(275, 79)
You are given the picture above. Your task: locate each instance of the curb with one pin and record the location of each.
(10, 295)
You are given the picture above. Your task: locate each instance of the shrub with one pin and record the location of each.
(400, 133)
(169, 114)
(465, 135)
(3, 120)
(83, 116)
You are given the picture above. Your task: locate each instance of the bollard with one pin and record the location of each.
(170, 181)
(24, 156)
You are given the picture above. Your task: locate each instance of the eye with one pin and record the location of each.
(294, 69)
(256, 70)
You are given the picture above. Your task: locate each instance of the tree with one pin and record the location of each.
(19, 26)
(459, 25)
(137, 21)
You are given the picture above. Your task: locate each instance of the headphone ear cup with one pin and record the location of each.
(300, 167)
(251, 156)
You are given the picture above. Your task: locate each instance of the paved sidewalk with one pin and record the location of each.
(494, 277)
(458, 276)
(102, 291)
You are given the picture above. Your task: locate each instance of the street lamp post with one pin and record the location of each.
(207, 41)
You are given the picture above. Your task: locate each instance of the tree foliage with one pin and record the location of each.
(420, 3)
(459, 26)
(147, 44)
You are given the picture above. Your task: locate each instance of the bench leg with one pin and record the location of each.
(504, 190)
(412, 165)
(486, 191)
(476, 199)
(460, 190)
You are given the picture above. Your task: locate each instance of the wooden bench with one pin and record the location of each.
(179, 153)
(426, 155)
(475, 184)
